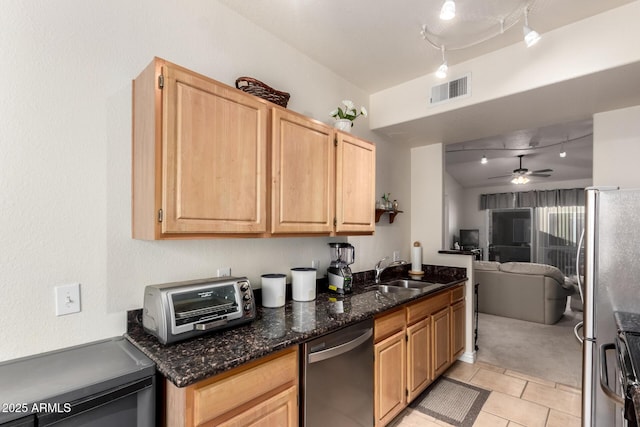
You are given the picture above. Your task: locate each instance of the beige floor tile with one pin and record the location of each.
(410, 418)
(523, 412)
(530, 378)
(560, 419)
(554, 398)
(443, 424)
(495, 381)
(462, 371)
(512, 424)
(568, 388)
(486, 419)
(489, 367)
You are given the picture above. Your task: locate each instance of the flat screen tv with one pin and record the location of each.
(470, 239)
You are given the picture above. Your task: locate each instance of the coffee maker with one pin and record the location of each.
(339, 273)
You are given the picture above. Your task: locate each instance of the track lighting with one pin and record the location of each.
(521, 179)
(484, 160)
(448, 10)
(531, 37)
(441, 73)
(563, 153)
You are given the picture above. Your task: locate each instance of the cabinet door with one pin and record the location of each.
(214, 156)
(440, 325)
(457, 329)
(390, 378)
(355, 185)
(418, 357)
(302, 168)
(280, 410)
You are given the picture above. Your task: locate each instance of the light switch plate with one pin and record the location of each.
(67, 299)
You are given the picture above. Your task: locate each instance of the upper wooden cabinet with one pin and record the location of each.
(211, 161)
(199, 156)
(355, 184)
(302, 174)
(323, 181)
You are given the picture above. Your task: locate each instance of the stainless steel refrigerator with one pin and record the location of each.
(611, 283)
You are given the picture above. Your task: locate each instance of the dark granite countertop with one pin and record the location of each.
(189, 361)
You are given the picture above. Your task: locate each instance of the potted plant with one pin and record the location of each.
(346, 114)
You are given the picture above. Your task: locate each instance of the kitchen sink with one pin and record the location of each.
(411, 284)
(390, 289)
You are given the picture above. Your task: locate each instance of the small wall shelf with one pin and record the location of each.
(392, 214)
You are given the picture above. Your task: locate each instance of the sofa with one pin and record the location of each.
(522, 290)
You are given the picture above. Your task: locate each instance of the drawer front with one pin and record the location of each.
(388, 324)
(417, 311)
(438, 301)
(457, 294)
(218, 396)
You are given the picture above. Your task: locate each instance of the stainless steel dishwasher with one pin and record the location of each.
(337, 378)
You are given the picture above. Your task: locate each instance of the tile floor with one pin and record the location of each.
(516, 400)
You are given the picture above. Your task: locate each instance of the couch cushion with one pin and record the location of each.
(486, 265)
(535, 269)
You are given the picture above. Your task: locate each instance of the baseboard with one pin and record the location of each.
(468, 357)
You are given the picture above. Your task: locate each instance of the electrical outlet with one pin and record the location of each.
(224, 271)
(396, 255)
(315, 263)
(67, 299)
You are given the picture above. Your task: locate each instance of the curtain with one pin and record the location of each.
(533, 199)
(558, 230)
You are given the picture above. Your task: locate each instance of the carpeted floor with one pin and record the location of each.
(436, 401)
(550, 352)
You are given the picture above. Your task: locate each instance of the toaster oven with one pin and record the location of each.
(176, 311)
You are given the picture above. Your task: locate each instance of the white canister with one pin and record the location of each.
(273, 290)
(303, 283)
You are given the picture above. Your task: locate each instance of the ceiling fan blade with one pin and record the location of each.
(501, 176)
(544, 175)
(543, 171)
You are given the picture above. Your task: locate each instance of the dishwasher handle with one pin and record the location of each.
(331, 352)
(604, 378)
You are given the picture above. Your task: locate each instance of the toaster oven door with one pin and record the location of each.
(196, 308)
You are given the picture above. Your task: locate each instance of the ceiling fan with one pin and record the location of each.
(520, 175)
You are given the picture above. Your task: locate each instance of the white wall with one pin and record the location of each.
(65, 166)
(616, 148)
(453, 209)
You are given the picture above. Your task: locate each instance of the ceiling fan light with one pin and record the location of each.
(441, 73)
(520, 180)
(484, 160)
(448, 10)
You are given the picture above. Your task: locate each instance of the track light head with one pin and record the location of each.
(484, 160)
(448, 10)
(531, 37)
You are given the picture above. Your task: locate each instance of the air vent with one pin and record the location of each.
(459, 88)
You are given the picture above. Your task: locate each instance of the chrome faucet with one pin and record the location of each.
(379, 269)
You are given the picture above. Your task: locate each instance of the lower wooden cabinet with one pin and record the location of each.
(419, 374)
(260, 393)
(457, 329)
(413, 346)
(390, 378)
(441, 335)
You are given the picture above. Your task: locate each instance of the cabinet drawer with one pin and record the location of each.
(221, 394)
(437, 302)
(417, 311)
(457, 294)
(388, 324)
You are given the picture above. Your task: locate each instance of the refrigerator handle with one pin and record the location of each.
(604, 378)
(575, 331)
(580, 241)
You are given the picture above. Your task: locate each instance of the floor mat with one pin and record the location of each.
(451, 401)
